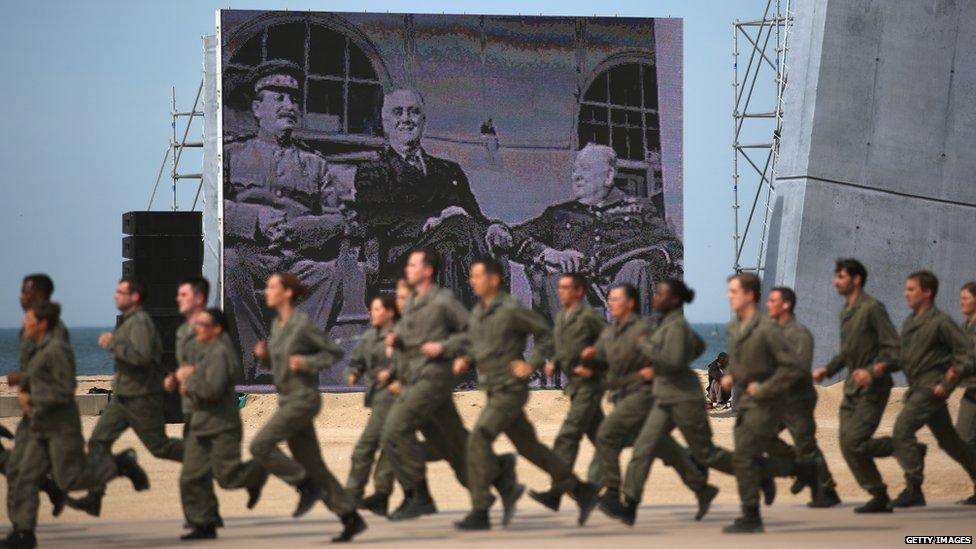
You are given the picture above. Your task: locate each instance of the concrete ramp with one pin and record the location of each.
(878, 155)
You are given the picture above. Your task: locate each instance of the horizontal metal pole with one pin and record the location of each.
(754, 146)
(188, 113)
(189, 145)
(188, 176)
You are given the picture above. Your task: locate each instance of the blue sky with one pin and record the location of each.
(85, 107)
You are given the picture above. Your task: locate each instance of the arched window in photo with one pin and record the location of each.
(344, 76)
(619, 108)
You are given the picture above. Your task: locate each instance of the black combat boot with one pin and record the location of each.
(879, 503)
(705, 497)
(587, 495)
(128, 467)
(254, 495)
(91, 503)
(55, 494)
(201, 532)
(19, 539)
(308, 494)
(475, 520)
(352, 524)
(749, 523)
(808, 475)
(508, 487)
(768, 486)
(625, 512)
(826, 498)
(418, 504)
(610, 503)
(911, 496)
(378, 504)
(549, 499)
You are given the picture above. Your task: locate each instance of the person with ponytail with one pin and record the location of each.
(678, 401)
(295, 352)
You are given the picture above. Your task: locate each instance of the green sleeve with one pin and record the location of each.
(599, 361)
(669, 357)
(457, 343)
(134, 346)
(58, 386)
(325, 351)
(357, 360)
(209, 381)
(888, 344)
(956, 340)
(787, 370)
(527, 320)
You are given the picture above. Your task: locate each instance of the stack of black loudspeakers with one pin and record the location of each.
(161, 249)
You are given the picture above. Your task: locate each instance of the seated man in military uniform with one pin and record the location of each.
(408, 199)
(611, 237)
(281, 211)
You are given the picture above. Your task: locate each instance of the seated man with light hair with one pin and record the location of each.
(611, 237)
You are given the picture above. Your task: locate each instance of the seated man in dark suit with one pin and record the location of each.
(406, 198)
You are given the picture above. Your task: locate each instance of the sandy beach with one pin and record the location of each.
(343, 416)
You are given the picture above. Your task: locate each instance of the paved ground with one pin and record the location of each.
(790, 525)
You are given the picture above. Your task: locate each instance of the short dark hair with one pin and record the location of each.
(578, 279)
(679, 289)
(630, 292)
(218, 317)
(749, 282)
(489, 264)
(722, 355)
(389, 303)
(47, 310)
(853, 268)
(927, 280)
(970, 287)
(787, 294)
(431, 259)
(136, 286)
(42, 283)
(199, 285)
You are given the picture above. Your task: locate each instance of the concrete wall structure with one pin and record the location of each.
(878, 157)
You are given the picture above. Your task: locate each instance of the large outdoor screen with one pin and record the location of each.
(551, 143)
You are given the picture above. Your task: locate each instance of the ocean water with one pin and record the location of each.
(91, 359)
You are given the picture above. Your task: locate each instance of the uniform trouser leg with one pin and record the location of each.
(288, 421)
(798, 418)
(966, 420)
(859, 419)
(755, 428)
(292, 423)
(616, 431)
(654, 439)
(504, 413)
(922, 408)
(15, 458)
(445, 437)
(200, 507)
(427, 406)
(366, 448)
(208, 458)
(582, 419)
(61, 455)
(145, 415)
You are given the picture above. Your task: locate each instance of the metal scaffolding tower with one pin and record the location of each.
(757, 121)
(175, 151)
